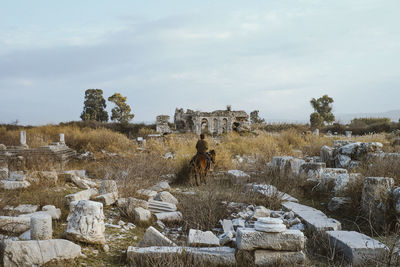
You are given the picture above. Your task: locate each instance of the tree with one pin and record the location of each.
(122, 111)
(255, 118)
(323, 111)
(94, 106)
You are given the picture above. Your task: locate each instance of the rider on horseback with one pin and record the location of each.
(202, 148)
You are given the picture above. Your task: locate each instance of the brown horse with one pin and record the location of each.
(199, 166)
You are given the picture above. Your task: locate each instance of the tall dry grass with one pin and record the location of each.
(80, 139)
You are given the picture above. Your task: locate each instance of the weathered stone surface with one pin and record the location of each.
(312, 170)
(3, 173)
(38, 252)
(173, 216)
(342, 161)
(159, 206)
(225, 238)
(287, 165)
(269, 225)
(337, 203)
(396, 198)
(376, 196)
(54, 212)
(215, 256)
(86, 223)
(82, 195)
(146, 194)
(17, 176)
(11, 185)
(335, 179)
(25, 235)
(160, 186)
(227, 225)
(108, 186)
(152, 237)
(250, 239)
(271, 191)
(238, 223)
(326, 155)
(198, 238)
(238, 176)
(14, 224)
(22, 209)
(128, 205)
(41, 227)
(261, 211)
(358, 248)
(166, 196)
(141, 215)
(107, 199)
(314, 219)
(279, 258)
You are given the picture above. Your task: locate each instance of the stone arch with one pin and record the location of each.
(224, 125)
(215, 126)
(204, 125)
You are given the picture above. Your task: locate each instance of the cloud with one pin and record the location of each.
(273, 58)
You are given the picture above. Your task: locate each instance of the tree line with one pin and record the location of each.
(94, 107)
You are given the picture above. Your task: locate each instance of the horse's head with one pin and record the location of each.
(212, 155)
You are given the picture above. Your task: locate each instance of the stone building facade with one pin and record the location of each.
(216, 122)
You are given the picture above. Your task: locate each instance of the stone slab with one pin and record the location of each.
(250, 239)
(152, 237)
(281, 258)
(358, 249)
(198, 238)
(38, 252)
(314, 219)
(216, 256)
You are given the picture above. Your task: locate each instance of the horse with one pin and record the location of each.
(199, 166)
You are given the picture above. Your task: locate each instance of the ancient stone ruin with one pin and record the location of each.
(216, 122)
(162, 126)
(22, 156)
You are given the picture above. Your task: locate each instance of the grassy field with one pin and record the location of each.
(136, 166)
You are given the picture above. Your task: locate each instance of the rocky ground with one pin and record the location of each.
(240, 218)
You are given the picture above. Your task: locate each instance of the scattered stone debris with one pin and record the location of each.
(314, 219)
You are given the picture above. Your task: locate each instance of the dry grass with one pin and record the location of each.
(80, 139)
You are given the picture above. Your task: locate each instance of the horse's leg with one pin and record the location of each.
(196, 176)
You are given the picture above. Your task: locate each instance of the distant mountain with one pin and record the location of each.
(393, 115)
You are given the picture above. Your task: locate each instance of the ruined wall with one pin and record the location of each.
(162, 126)
(216, 122)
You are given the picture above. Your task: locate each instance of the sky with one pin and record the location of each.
(268, 55)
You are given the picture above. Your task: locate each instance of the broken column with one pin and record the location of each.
(22, 138)
(62, 139)
(41, 227)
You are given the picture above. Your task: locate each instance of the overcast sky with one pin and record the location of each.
(270, 55)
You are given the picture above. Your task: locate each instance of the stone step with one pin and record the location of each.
(357, 248)
(215, 256)
(314, 219)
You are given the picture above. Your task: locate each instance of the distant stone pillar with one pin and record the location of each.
(22, 138)
(62, 138)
